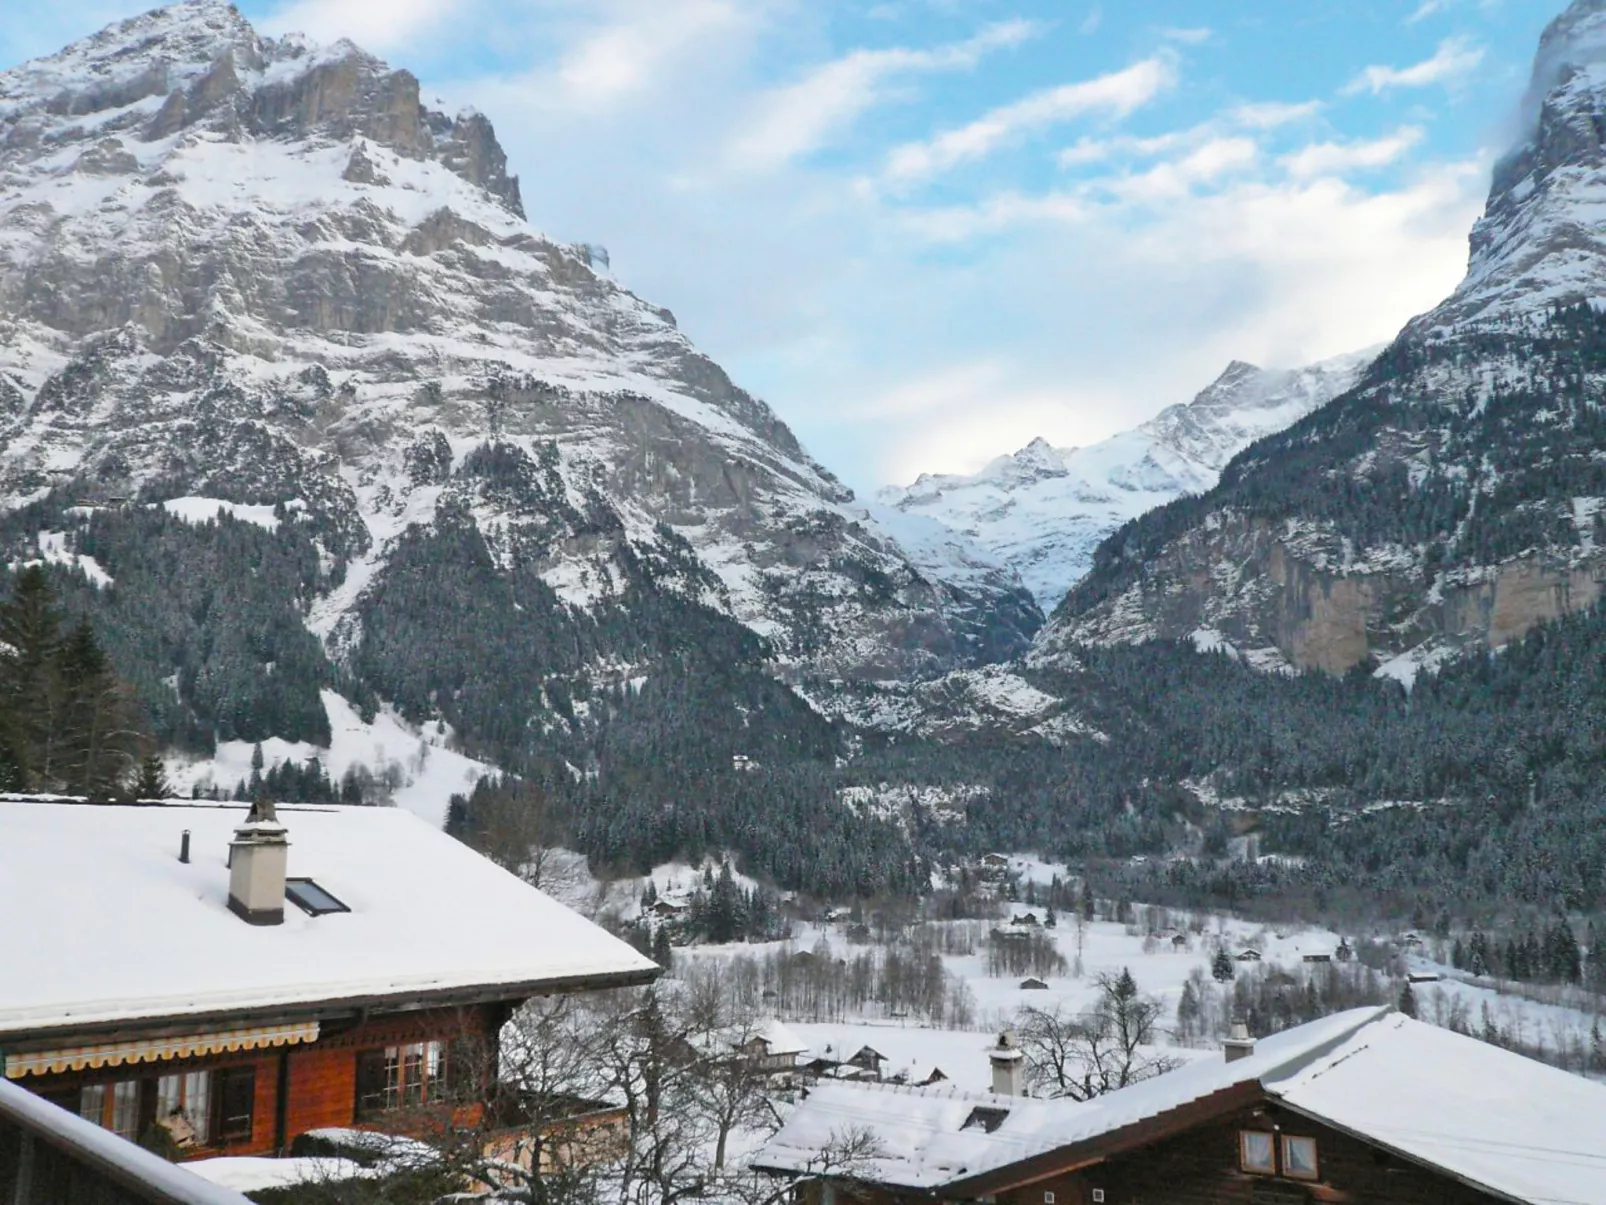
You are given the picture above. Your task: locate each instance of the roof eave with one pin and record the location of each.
(462, 995)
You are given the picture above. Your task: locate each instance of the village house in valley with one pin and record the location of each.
(1366, 1107)
(237, 980)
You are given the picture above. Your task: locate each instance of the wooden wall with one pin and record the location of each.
(1200, 1167)
(321, 1086)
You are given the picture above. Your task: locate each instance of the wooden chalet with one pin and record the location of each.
(1363, 1108)
(237, 980)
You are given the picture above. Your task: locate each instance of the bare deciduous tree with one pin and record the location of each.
(1083, 1055)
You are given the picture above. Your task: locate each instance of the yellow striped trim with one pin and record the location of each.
(153, 1050)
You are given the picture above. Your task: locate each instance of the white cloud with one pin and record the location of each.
(797, 119)
(1177, 178)
(1269, 115)
(1190, 37)
(1084, 151)
(625, 55)
(1091, 22)
(1455, 57)
(1426, 9)
(1117, 94)
(1338, 158)
(379, 28)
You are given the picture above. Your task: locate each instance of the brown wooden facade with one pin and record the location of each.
(297, 1088)
(1194, 1159)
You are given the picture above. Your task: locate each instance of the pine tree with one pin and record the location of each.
(30, 631)
(662, 953)
(96, 732)
(1407, 1000)
(1221, 968)
(152, 782)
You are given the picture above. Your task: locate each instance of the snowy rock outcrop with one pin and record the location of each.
(263, 271)
(1043, 510)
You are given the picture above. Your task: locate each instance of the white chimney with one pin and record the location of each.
(1009, 1063)
(257, 863)
(1240, 1045)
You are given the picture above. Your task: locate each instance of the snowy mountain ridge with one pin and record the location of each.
(261, 270)
(1043, 510)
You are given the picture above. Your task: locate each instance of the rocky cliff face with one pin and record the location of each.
(1044, 510)
(1450, 500)
(263, 272)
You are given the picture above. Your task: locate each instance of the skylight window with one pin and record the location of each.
(985, 1119)
(311, 898)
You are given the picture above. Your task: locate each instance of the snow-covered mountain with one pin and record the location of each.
(1043, 510)
(1457, 497)
(263, 272)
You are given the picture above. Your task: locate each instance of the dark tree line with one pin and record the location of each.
(67, 723)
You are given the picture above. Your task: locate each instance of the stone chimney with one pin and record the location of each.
(1009, 1063)
(1240, 1045)
(257, 862)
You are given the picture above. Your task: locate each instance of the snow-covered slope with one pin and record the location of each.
(1043, 509)
(262, 271)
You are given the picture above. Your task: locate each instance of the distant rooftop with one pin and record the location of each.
(1513, 1127)
(106, 925)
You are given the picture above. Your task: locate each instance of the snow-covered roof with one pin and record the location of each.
(1493, 1119)
(1505, 1123)
(107, 925)
(779, 1040)
(924, 1141)
(115, 1157)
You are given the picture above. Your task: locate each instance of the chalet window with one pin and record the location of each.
(114, 1106)
(236, 1089)
(1299, 1157)
(401, 1076)
(184, 1107)
(1257, 1152)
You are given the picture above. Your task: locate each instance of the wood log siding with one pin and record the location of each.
(1200, 1167)
(322, 1088)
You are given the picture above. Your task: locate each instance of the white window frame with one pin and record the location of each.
(1250, 1166)
(1288, 1143)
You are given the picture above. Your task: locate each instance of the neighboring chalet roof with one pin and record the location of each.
(779, 1040)
(921, 1130)
(105, 924)
(1496, 1120)
(1510, 1126)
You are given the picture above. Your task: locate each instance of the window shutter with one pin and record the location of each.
(370, 1083)
(236, 1103)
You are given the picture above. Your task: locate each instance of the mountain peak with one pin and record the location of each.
(1538, 242)
(200, 66)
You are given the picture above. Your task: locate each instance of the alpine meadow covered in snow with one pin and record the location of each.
(457, 742)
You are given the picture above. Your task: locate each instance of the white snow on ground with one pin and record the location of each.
(422, 774)
(53, 550)
(205, 510)
(1427, 657)
(251, 1173)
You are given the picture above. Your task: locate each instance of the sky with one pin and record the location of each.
(928, 231)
